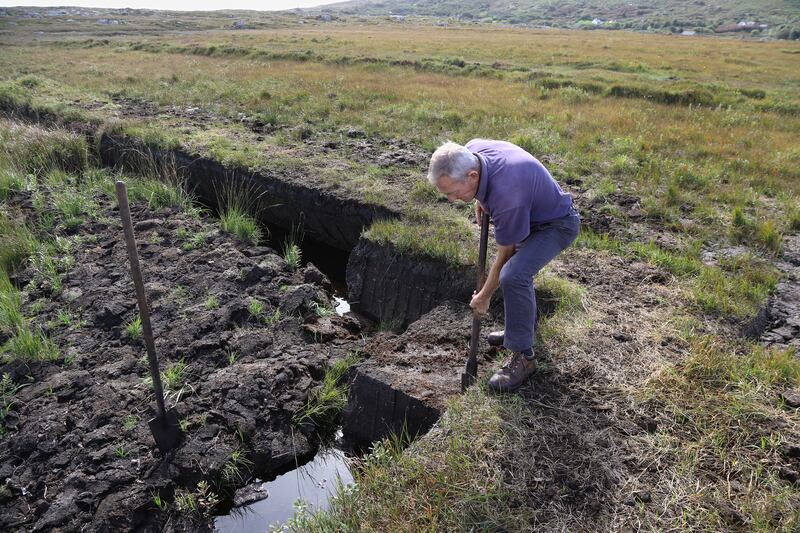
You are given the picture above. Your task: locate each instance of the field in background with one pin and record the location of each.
(682, 153)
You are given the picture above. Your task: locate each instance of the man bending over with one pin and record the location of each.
(533, 220)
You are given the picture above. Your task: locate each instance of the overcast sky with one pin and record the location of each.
(177, 5)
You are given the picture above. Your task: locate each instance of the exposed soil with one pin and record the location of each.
(79, 454)
(406, 379)
(778, 324)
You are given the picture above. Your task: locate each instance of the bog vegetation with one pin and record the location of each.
(701, 134)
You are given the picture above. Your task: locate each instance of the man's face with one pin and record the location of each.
(457, 190)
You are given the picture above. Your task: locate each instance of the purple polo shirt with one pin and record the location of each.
(516, 190)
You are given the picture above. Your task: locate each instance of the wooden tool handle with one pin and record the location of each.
(141, 299)
(471, 370)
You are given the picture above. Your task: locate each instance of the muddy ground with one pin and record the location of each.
(79, 455)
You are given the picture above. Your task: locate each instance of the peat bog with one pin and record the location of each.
(275, 169)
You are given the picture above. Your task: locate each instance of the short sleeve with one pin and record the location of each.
(512, 226)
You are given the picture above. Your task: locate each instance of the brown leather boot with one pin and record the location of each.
(516, 370)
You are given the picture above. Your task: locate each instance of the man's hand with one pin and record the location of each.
(478, 213)
(480, 303)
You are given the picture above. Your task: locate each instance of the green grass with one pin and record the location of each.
(174, 375)
(714, 410)
(26, 341)
(134, 328)
(11, 182)
(121, 451)
(211, 303)
(255, 307)
(292, 255)
(290, 250)
(570, 304)
(151, 136)
(238, 209)
(31, 150)
(17, 242)
(11, 317)
(236, 468)
(160, 193)
(7, 390)
(736, 288)
(29, 343)
(447, 240)
(130, 422)
(325, 403)
(452, 480)
(238, 222)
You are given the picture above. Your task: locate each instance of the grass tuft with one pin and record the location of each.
(325, 403)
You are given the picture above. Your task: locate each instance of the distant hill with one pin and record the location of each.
(779, 16)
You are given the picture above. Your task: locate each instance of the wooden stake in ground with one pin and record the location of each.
(165, 428)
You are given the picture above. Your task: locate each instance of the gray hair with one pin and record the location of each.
(452, 160)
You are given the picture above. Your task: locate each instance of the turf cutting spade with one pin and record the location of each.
(164, 426)
(471, 370)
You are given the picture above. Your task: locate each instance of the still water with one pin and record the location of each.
(314, 483)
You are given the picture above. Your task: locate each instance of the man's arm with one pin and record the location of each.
(480, 301)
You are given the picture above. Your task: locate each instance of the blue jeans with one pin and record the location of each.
(545, 241)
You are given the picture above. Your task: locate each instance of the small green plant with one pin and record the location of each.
(134, 328)
(256, 307)
(159, 502)
(197, 240)
(64, 318)
(37, 307)
(292, 255)
(180, 295)
(130, 422)
(185, 501)
(173, 375)
(769, 236)
(47, 268)
(232, 357)
(291, 252)
(325, 403)
(207, 500)
(211, 303)
(794, 220)
(202, 501)
(164, 191)
(232, 471)
(7, 390)
(11, 182)
(238, 212)
(739, 219)
(240, 224)
(184, 424)
(120, 451)
(322, 310)
(11, 316)
(273, 317)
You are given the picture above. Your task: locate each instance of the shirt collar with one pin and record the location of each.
(483, 184)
